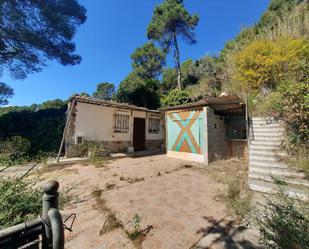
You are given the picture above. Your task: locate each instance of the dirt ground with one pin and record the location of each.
(179, 206)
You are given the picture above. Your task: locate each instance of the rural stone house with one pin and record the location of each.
(117, 126)
(204, 131)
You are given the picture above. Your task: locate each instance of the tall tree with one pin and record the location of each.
(169, 22)
(104, 91)
(169, 76)
(148, 61)
(34, 31)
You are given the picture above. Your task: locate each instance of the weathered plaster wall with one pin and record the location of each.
(216, 136)
(95, 122)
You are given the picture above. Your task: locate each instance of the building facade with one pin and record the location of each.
(118, 127)
(208, 130)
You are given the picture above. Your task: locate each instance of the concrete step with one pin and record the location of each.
(257, 128)
(266, 158)
(274, 153)
(276, 172)
(267, 164)
(265, 142)
(268, 147)
(265, 119)
(266, 138)
(269, 178)
(264, 122)
(266, 133)
(267, 187)
(265, 126)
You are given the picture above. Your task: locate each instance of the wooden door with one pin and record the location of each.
(139, 134)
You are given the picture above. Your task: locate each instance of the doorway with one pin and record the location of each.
(139, 134)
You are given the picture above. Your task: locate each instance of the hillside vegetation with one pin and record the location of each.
(266, 64)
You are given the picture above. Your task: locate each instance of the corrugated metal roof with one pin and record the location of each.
(108, 103)
(230, 104)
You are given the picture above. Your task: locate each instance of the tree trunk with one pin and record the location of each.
(177, 62)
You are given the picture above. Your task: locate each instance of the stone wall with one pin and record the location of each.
(154, 144)
(75, 150)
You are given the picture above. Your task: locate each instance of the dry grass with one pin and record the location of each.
(109, 186)
(131, 179)
(47, 168)
(233, 174)
(226, 171)
(110, 224)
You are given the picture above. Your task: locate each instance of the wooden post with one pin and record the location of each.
(65, 129)
(50, 200)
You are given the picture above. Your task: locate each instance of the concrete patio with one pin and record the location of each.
(179, 203)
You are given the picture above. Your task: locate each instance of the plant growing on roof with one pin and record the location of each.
(169, 22)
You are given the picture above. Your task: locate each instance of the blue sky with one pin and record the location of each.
(114, 29)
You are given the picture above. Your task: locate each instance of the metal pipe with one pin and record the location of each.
(56, 228)
(20, 228)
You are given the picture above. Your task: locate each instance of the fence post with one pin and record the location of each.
(50, 200)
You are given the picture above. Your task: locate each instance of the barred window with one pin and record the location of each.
(121, 123)
(154, 125)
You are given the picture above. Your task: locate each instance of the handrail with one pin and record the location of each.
(57, 228)
(50, 225)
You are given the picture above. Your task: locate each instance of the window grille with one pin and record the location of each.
(154, 125)
(121, 123)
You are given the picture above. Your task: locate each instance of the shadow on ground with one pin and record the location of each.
(226, 234)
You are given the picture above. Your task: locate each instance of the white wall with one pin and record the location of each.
(96, 122)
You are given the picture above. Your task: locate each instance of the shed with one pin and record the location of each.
(116, 126)
(210, 129)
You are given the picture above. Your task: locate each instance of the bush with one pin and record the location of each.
(294, 111)
(175, 97)
(42, 125)
(284, 223)
(265, 63)
(14, 150)
(19, 202)
(237, 199)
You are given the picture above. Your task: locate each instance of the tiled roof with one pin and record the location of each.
(109, 103)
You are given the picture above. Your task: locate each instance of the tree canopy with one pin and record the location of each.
(138, 91)
(148, 61)
(5, 93)
(104, 91)
(169, 22)
(35, 31)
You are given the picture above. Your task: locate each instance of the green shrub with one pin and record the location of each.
(175, 97)
(237, 199)
(19, 201)
(14, 150)
(294, 111)
(284, 223)
(42, 125)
